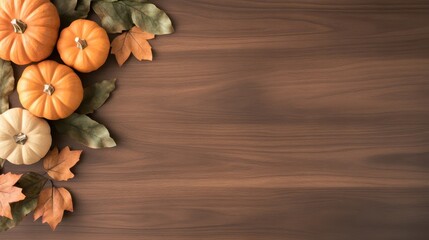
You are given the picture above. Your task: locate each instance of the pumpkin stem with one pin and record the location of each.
(80, 43)
(48, 89)
(18, 25)
(20, 138)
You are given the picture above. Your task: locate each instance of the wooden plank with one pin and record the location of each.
(263, 120)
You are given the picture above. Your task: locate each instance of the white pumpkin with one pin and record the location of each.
(24, 138)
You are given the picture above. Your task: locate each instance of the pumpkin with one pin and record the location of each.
(28, 30)
(24, 138)
(84, 45)
(50, 90)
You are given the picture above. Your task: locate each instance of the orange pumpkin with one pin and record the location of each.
(84, 45)
(28, 30)
(50, 90)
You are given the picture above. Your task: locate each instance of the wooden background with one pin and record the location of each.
(278, 119)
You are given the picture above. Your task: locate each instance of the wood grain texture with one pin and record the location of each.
(271, 119)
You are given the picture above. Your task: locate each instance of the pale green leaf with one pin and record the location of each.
(122, 15)
(96, 95)
(7, 83)
(71, 10)
(85, 130)
(115, 16)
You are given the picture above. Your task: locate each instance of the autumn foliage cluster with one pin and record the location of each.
(52, 95)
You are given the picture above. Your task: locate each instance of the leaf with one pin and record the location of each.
(9, 193)
(117, 16)
(133, 41)
(58, 165)
(71, 10)
(31, 184)
(85, 130)
(7, 83)
(52, 204)
(96, 95)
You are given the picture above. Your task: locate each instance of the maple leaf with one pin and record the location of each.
(31, 184)
(58, 165)
(52, 204)
(134, 41)
(9, 193)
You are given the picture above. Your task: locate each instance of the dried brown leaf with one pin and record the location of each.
(134, 41)
(9, 193)
(52, 204)
(58, 165)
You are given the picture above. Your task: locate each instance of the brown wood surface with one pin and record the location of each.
(278, 119)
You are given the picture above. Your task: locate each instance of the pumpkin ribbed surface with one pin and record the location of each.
(84, 45)
(28, 30)
(24, 138)
(50, 90)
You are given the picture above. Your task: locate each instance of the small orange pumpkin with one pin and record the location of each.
(50, 90)
(84, 45)
(28, 30)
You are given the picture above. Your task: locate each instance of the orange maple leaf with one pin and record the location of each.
(9, 193)
(134, 41)
(52, 204)
(58, 165)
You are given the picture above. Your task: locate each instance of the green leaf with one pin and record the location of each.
(7, 83)
(31, 184)
(85, 130)
(71, 10)
(115, 16)
(121, 15)
(96, 95)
